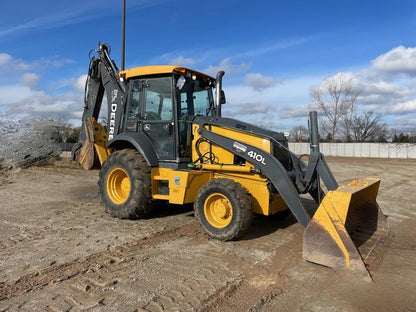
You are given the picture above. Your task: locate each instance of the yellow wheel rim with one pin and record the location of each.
(218, 210)
(118, 186)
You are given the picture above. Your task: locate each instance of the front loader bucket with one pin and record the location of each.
(348, 230)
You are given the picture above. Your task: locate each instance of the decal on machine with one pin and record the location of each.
(257, 157)
(239, 147)
(113, 109)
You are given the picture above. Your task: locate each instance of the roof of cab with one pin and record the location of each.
(158, 69)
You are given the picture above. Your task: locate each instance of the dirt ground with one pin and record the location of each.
(59, 251)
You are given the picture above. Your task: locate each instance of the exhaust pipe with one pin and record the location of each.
(219, 94)
(313, 132)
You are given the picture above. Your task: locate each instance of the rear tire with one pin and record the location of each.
(125, 185)
(223, 209)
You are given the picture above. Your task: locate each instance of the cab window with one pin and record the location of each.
(158, 99)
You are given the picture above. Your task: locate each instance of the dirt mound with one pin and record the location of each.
(25, 143)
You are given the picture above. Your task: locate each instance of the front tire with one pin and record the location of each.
(223, 209)
(125, 185)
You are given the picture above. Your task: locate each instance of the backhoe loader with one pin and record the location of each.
(166, 140)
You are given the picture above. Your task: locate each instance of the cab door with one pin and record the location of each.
(157, 115)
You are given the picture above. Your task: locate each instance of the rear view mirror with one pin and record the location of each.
(222, 97)
(180, 83)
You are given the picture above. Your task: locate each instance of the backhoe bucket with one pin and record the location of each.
(86, 157)
(348, 230)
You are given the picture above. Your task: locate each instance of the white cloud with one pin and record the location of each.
(299, 112)
(404, 122)
(274, 46)
(79, 83)
(60, 14)
(29, 80)
(182, 61)
(381, 87)
(405, 107)
(259, 82)
(228, 67)
(38, 104)
(12, 94)
(5, 58)
(397, 60)
(52, 108)
(279, 107)
(22, 99)
(12, 66)
(253, 108)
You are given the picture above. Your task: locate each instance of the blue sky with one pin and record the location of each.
(273, 52)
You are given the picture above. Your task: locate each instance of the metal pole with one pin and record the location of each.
(123, 35)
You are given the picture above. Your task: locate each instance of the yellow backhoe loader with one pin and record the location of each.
(166, 140)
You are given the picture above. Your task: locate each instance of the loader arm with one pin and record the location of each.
(269, 166)
(289, 182)
(306, 174)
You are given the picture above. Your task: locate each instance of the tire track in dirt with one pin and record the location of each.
(97, 281)
(260, 284)
(106, 259)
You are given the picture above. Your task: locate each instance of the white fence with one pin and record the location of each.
(373, 150)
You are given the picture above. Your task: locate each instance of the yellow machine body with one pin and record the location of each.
(181, 186)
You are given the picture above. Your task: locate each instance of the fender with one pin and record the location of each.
(141, 142)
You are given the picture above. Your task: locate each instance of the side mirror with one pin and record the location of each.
(222, 97)
(180, 83)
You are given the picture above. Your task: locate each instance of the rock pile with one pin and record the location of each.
(25, 143)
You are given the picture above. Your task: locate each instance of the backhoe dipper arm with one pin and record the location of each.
(103, 76)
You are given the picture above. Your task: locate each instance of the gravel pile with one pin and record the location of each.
(25, 143)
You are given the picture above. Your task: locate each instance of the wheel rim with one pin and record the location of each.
(218, 210)
(118, 186)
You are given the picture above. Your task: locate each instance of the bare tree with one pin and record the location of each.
(299, 134)
(413, 136)
(335, 99)
(367, 127)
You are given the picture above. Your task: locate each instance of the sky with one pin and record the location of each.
(273, 52)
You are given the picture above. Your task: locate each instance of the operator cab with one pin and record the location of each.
(162, 102)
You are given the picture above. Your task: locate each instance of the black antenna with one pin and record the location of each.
(123, 35)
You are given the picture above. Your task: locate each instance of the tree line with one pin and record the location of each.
(341, 120)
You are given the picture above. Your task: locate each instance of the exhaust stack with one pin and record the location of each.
(219, 95)
(313, 131)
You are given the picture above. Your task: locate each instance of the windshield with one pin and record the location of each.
(195, 97)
